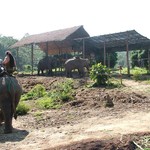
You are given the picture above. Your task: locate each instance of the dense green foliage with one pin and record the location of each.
(98, 57)
(139, 58)
(5, 43)
(99, 74)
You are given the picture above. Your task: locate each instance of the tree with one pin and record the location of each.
(24, 57)
(5, 43)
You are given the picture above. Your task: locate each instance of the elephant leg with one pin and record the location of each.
(81, 72)
(17, 98)
(50, 72)
(7, 112)
(42, 72)
(68, 73)
(38, 72)
(1, 117)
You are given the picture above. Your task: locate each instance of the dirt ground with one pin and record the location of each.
(84, 123)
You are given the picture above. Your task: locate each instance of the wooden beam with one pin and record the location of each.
(17, 53)
(108, 60)
(104, 53)
(32, 47)
(46, 51)
(148, 59)
(127, 57)
(83, 48)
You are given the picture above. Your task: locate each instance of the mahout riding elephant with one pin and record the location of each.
(47, 64)
(10, 94)
(76, 63)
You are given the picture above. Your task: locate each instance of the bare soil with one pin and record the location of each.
(86, 123)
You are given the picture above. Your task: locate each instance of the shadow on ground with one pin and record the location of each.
(17, 135)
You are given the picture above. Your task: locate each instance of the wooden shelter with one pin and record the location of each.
(63, 41)
(54, 42)
(122, 41)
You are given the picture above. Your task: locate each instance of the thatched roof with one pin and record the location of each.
(117, 41)
(58, 41)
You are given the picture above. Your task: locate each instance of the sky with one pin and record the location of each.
(98, 17)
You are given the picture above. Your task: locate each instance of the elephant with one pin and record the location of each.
(76, 63)
(45, 64)
(10, 94)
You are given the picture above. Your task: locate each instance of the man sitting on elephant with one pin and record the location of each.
(76, 63)
(9, 63)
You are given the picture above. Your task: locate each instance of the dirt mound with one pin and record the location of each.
(97, 118)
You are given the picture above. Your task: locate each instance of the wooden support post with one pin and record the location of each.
(46, 49)
(104, 53)
(32, 57)
(148, 60)
(83, 49)
(127, 56)
(108, 60)
(46, 55)
(17, 61)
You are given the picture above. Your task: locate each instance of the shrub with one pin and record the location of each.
(37, 92)
(22, 109)
(99, 74)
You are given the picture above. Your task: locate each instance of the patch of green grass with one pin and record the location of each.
(38, 115)
(115, 83)
(63, 91)
(47, 103)
(37, 92)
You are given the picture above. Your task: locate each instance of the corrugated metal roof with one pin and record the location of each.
(118, 41)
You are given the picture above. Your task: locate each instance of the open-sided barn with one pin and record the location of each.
(64, 41)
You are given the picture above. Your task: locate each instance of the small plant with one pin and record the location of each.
(22, 109)
(99, 74)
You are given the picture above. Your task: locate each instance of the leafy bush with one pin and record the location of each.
(22, 108)
(99, 74)
(37, 92)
